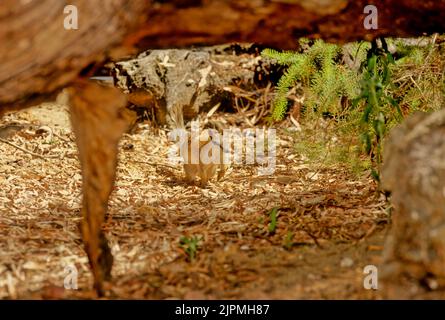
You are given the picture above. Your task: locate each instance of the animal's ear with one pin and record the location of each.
(213, 133)
(204, 136)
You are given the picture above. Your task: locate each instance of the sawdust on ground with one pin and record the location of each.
(330, 225)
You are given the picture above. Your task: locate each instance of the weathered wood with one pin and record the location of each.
(180, 83)
(38, 55)
(279, 22)
(98, 122)
(414, 172)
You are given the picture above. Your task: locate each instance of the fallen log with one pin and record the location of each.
(180, 83)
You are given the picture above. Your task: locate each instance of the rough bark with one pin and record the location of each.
(180, 83)
(37, 54)
(414, 172)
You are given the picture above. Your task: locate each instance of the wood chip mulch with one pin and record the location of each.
(324, 217)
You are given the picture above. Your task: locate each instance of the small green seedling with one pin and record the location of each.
(288, 240)
(273, 215)
(190, 246)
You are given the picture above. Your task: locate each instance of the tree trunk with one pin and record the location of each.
(414, 172)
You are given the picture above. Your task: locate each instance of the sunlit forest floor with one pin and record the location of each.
(330, 223)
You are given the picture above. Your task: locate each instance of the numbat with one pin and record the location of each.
(204, 158)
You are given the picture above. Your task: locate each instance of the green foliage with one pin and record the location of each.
(288, 240)
(418, 75)
(409, 54)
(273, 216)
(318, 69)
(190, 246)
(363, 89)
(374, 93)
(331, 146)
(298, 68)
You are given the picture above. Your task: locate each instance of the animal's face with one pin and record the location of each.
(204, 158)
